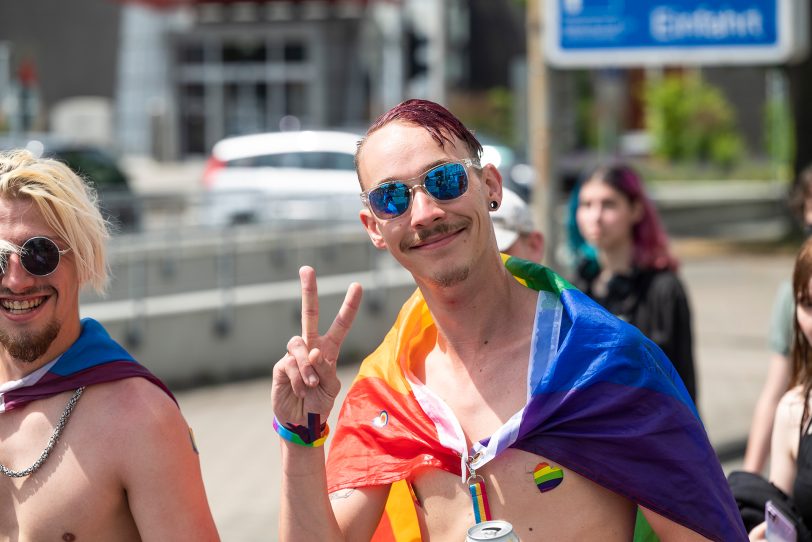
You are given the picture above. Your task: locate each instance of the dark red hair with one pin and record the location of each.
(650, 240)
(436, 119)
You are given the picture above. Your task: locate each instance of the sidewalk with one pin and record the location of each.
(731, 296)
(731, 299)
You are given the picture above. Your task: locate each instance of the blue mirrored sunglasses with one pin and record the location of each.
(39, 256)
(445, 182)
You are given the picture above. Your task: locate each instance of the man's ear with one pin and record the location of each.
(371, 226)
(492, 183)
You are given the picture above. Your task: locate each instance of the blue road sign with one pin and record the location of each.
(583, 33)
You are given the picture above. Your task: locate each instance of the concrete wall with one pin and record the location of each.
(189, 260)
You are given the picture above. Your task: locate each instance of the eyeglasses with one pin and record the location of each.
(445, 182)
(39, 256)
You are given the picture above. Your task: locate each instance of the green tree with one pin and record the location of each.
(779, 128)
(690, 120)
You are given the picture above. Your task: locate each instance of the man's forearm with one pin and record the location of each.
(305, 510)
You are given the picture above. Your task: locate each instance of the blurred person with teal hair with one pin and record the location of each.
(623, 262)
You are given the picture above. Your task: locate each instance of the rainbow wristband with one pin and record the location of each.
(289, 435)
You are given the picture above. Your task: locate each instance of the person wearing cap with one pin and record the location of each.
(516, 234)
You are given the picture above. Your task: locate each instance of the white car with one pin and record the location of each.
(282, 178)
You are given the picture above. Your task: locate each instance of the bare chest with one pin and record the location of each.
(73, 495)
(481, 399)
(575, 509)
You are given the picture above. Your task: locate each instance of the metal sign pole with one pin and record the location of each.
(544, 192)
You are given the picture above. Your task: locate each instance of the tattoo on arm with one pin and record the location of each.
(341, 494)
(192, 438)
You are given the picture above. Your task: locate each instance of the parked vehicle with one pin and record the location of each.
(118, 203)
(282, 177)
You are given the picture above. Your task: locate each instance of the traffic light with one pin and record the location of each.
(417, 53)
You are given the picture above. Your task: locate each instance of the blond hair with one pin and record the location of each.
(68, 204)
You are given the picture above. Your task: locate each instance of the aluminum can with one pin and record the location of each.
(492, 531)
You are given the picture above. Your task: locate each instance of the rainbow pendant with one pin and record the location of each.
(479, 499)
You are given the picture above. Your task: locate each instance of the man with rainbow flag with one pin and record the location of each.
(92, 445)
(501, 392)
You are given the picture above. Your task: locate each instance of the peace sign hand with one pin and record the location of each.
(305, 379)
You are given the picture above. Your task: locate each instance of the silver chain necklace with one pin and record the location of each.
(60, 425)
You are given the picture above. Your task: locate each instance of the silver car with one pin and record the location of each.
(282, 178)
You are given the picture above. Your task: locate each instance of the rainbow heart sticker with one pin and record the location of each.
(547, 477)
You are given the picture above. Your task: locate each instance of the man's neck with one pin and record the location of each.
(12, 369)
(488, 309)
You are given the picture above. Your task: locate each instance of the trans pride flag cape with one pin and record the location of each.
(94, 358)
(602, 401)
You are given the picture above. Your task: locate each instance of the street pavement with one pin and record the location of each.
(731, 294)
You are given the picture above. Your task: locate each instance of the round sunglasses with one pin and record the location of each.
(392, 199)
(39, 256)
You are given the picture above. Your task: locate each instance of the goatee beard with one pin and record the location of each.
(450, 277)
(29, 347)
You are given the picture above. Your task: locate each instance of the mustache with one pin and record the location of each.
(439, 229)
(37, 290)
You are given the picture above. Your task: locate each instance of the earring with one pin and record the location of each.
(493, 205)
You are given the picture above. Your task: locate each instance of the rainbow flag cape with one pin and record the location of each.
(602, 401)
(94, 358)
